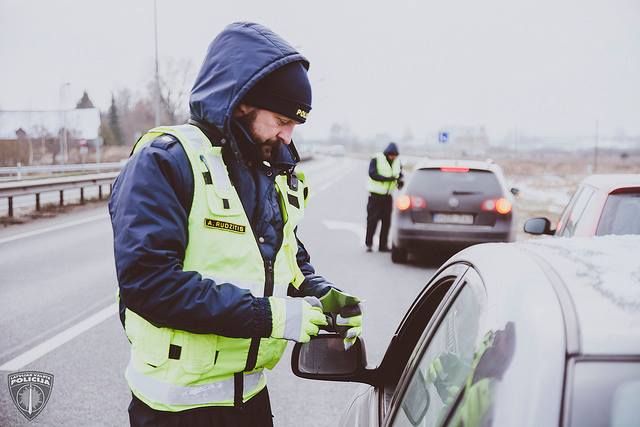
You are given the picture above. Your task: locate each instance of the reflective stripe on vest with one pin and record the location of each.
(387, 170)
(222, 247)
(205, 394)
(294, 311)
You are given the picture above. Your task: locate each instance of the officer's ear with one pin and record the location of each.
(242, 110)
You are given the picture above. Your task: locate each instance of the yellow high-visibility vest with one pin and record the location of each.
(222, 247)
(387, 170)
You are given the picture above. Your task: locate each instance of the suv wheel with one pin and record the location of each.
(399, 255)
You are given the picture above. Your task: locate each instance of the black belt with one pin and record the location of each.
(238, 388)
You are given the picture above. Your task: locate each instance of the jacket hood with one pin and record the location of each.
(241, 55)
(392, 148)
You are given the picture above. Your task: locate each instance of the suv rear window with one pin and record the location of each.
(437, 182)
(606, 394)
(621, 214)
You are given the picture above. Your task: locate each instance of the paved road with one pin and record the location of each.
(57, 297)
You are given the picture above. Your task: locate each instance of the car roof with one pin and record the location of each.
(594, 280)
(610, 182)
(602, 278)
(471, 164)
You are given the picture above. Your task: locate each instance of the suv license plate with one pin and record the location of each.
(442, 218)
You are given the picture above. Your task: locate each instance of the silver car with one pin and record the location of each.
(602, 204)
(537, 333)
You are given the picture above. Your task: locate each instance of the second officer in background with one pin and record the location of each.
(385, 175)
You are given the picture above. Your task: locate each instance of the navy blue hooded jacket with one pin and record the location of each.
(152, 196)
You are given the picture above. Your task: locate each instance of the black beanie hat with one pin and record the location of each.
(285, 91)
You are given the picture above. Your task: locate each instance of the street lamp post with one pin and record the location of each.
(595, 149)
(64, 151)
(157, 76)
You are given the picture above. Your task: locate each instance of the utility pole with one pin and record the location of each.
(64, 136)
(64, 150)
(595, 151)
(157, 91)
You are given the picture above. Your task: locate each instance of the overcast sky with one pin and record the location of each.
(547, 67)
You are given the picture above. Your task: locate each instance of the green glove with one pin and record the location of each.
(349, 314)
(350, 328)
(296, 319)
(335, 300)
(442, 373)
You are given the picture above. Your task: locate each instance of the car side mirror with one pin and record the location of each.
(538, 226)
(324, 358)
(515, 191)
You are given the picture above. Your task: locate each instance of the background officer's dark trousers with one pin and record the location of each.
(378, 209)
(255, 413)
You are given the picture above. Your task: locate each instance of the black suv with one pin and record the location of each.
(452, 203)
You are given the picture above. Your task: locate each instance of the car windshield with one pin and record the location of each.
(621, 214)
(606, 394)
(436, 182)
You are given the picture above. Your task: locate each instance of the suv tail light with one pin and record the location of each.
(501, 205)
(405, 202)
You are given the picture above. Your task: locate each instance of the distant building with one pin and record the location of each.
(30, 137)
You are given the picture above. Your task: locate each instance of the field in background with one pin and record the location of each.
(545, 180)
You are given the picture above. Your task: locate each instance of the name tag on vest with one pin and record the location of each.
(222, 225)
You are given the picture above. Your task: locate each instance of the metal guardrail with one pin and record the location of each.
(37, 186)
(44, 169)
(14, 188)
(19, 171)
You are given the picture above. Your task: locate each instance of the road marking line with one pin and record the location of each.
(356, 228)
(56, 341)
(345, 168)
(326, 170)
(315, 166)
(52, 228)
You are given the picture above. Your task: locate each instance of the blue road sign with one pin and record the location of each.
(443, 137)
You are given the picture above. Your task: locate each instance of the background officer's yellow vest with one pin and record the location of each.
(221, 246)
(387, 170)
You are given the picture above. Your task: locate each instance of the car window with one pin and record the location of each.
(447, 360)
(605, 394)
(565, 212)
(413, 326)
(582, 199)
(621, 214)
(434, 182)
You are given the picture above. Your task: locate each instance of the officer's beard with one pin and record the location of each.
(266, 149)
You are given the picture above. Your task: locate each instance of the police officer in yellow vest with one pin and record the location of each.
(385, 175)
(213, 281)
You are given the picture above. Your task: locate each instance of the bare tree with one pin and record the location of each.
(176, 77)
(135, 110)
